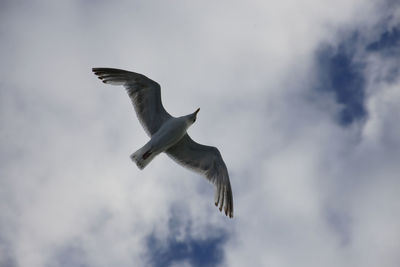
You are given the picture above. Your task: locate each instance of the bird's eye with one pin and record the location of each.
(194, 119)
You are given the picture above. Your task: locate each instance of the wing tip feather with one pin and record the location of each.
(224, 200)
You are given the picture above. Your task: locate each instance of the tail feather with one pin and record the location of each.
(142, 157)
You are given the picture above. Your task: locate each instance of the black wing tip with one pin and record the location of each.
(224, 199)
(100, 77)
(228, 209)
(98, 69)
(108, 70)
(228, 213)
(107, 75)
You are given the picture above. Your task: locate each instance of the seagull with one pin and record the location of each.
(168, 134)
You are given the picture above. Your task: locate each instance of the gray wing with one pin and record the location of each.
(206, 160)
(145, 95)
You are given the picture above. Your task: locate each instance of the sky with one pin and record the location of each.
(302, 98)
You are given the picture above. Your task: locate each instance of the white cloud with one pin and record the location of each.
(307, 192)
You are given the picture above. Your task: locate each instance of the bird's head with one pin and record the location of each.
(193, 116)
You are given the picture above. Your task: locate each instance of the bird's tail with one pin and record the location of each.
(143, 156)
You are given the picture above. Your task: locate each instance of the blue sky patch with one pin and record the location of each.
(340, 74)
(340, 70)
(388, 42)
(205, 251)
(387, 46)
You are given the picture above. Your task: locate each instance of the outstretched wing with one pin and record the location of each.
(208, 161)
(144, 93)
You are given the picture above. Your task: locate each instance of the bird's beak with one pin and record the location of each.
(197, 111)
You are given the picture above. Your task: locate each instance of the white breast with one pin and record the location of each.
(168, 134)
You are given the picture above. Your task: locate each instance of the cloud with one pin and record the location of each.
(180, 247)
(342, 75)
(276, 83)
(388, 40)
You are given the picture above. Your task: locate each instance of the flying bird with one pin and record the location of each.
(168, 134)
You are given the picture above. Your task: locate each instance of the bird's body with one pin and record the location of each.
(168, 134)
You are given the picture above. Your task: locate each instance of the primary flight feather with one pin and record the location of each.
(168, 134)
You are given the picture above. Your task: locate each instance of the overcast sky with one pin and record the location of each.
(302, 98)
